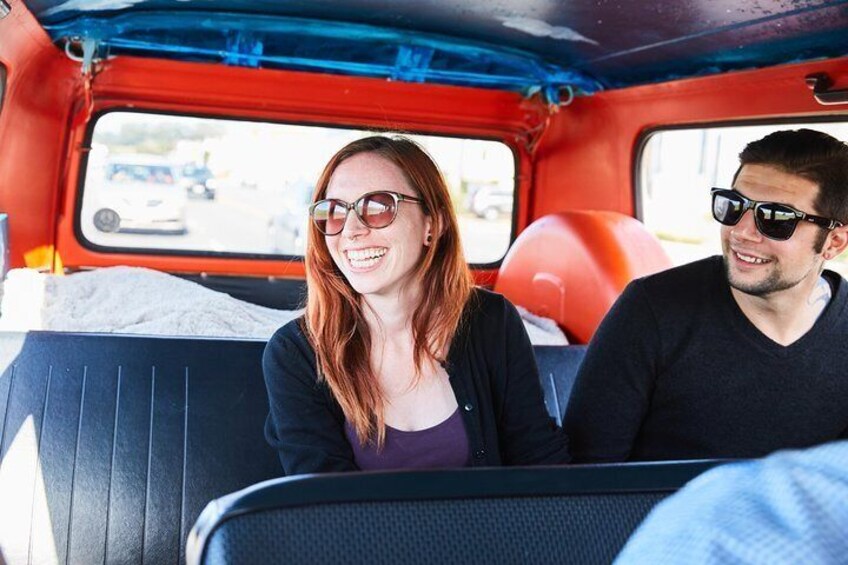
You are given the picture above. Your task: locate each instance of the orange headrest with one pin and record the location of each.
(571, 266)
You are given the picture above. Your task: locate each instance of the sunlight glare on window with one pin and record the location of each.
(157, 182)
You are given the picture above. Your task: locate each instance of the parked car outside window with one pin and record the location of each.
(199, 182)
(140, 193)
(490, 201)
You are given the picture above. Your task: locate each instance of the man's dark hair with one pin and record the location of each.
(812, 155)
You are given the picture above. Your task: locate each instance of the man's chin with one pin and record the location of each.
(761, 285)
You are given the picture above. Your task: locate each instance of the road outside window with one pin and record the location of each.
(176, 183)
(678, 168)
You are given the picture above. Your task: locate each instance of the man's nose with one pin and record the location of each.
(746, 228)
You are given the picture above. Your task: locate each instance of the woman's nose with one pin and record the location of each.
(353, 226)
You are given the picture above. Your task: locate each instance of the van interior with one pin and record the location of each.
(157, 160)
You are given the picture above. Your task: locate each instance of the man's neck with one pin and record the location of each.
(785, 316)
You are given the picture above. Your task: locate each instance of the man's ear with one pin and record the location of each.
(837, 241)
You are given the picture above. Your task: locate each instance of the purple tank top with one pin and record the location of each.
(445, 445)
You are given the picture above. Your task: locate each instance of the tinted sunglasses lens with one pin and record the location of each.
(727, 208)
(775, 221)
(329, 216)
(377, 210)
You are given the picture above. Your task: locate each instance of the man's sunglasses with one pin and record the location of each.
(773, 220)
(375, 209)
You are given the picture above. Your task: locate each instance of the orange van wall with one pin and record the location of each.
(586, 159)
(202, 89)
(33, 126)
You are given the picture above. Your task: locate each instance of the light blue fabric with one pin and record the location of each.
(791, 507)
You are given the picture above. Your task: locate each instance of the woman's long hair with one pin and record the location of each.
(335, 323)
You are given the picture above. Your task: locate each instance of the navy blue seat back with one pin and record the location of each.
(557, 370)
(504, 515)
(111, 445)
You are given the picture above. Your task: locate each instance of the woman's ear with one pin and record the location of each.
(435, 228)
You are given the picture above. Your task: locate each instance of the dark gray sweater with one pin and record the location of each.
(676, 371)
(492, 372)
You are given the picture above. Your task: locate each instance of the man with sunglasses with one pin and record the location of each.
(737, 355)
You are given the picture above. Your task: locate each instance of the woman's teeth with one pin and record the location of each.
(364, 258)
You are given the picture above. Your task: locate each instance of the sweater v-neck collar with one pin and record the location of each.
(752, 334)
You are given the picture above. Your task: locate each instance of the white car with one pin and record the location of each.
(287, 227)
(140, 193)
(490, 202)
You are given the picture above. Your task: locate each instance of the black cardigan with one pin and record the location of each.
(492, 371)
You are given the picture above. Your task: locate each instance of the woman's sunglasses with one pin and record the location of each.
(773, 220)
(375, 209)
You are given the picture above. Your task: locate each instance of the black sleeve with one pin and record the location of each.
(304, 426)
(528, 435)
(613, 388)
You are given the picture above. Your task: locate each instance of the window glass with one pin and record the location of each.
(678, 168)
(177, 183)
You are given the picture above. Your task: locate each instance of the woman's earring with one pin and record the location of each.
(429, 239)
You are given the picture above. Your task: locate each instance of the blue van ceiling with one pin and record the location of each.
(523, 45)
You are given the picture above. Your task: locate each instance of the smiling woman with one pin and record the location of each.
(412, 364)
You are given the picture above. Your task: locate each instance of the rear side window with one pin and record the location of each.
(164, 183)
(676, 171)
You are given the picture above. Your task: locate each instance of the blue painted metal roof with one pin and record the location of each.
(523, 45)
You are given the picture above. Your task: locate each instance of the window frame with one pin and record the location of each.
(646, 134)
(265, 257)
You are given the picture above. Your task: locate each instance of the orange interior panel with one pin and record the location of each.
(586, 159)
(33, 126)
(200, 89)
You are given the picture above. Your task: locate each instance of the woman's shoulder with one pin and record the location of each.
(291, 331)
(488, 301)
(289, 353)
(487, 310)
(290, 338)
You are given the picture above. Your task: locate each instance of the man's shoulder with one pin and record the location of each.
(686, 274)
(837, 283)
(686, 282)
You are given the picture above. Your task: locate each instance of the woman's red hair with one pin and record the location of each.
(334, 320)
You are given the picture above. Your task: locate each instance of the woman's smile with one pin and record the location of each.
(365, 259)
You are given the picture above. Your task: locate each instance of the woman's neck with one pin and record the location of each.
(391, 316)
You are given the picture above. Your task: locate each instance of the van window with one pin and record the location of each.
(676, 171)
(168, 183)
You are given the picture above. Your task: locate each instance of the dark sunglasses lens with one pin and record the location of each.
(377, 210)
(776, 221)
(727, 208)
(329, 216)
